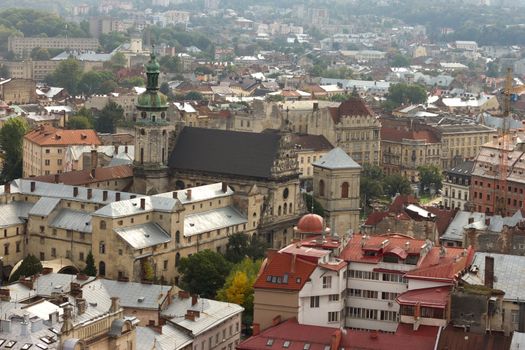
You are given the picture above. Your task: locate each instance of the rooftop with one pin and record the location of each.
(337, 159)
(47, 135)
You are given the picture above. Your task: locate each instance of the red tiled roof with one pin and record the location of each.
(354, 251)
(398, 134)
(84, 177)
(47, 135)
(401, 201)
(375, 218)
(430, 297)
(443, 218)
(279, 264)
(353, 106)
(327, 243)
(447, 267)
(319, 337)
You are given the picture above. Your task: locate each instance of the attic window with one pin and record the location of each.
(269, 342)
(306, 346)
(286, 344)
(268, 278)
(298, 280)
(10, 344)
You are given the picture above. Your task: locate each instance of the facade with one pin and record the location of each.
(310, 148)
(456, 186)
(44, 149)
(29, 69)
(336, 188)
(22, 46)
(124, 231)
(406, 146)
(490, 190)
(18, 91)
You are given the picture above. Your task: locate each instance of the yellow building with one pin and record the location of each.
(44, 149)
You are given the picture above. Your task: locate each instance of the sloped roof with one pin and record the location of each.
(281, 267)
(312, 142)
(430, 297)
(446, 267)
(337, 159)
(225, 152)
(83, 177)
(143, 235)
(47, 135)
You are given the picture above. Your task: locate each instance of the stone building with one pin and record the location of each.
(456, 186)
(336, 188)
(18, 91)
(22, 46)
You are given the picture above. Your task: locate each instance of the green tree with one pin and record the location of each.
(400, 60)
(11, 140)
(109, 117)
(112, 40)
(132, 82)
(194, 96)
(170, 64)
(29, 267)
(371, 185)
(493, 69)
(90, 269)
(96, 82)
(317, 207)
(148, 274)
(165, 88)
(339, 98)
(240, 246)
(66, 75)
(40, 54)
(394, 184)
(204, 273)
(118, 61)
(79, 122)
(238, 287)
(430, 176)
(399, 94)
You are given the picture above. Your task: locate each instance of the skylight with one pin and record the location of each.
(269, 342)
(286, 344)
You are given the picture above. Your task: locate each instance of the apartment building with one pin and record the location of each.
(18, 91)
(456, 186)
(44, 149)
(124, 231)
(22, 46)
(310, 148)
(29, 69)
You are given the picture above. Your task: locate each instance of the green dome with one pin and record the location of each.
(150, 99)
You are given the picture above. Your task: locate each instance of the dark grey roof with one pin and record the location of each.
(225, 152)
(463, 168)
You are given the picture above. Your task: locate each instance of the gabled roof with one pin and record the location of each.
(312, 142)
(443, 264)
(87, 176)
(284, 272)
(225, 152)
(143, 235)
(337, 159)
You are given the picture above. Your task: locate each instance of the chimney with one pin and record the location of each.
(57, 178)
(336, 340)
(47, 270)
(115, 304)
(175, 195)
(53, 318)
(81, 305)
(104, 195)
(7, 187)
(24, 326)
(33, 186)
(256, 329)
(183, 294)
(316, 106)
(489, 271)
(194, 299)
(224, 187)
(5, 326)
(487, 221)
(89, 193)
(143, 203)
(94, 159)
(36, 325)
(188, 194)
(93, 173)
(75, 191)
(470, 220)
(117, 196)
(126, 149)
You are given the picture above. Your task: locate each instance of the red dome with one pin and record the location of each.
(311, 223)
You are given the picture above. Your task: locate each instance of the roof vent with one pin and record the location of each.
(141, 299)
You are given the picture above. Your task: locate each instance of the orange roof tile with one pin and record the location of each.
(448, 266)
(280, 268)
(48, 135)
(84, 177)
(429, 297)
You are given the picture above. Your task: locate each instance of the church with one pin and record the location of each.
(171, 156)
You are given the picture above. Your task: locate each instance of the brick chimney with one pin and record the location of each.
(94, 159)
(33, 186)
(194, 299)
(143, 203)
(489, 271)
(256, 329)
(188, 194)
(224, 187)
(7, 187)
(57, 178)
(175, 195)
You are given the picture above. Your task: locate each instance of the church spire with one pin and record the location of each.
(152, 72)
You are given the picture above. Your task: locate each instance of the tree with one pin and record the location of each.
(108, 118)
(399, 94)
(170, 64)
(11, 141)
(317, 207)
(430, 176)
(194, 96)
(40, 54)
(400, 60)
(66, 75)
(238, 287)
(90, 269)
(118, 61)
(371, 185)
(29, 267)
(204, 273)
(148, 274)
(79, 122)
(96, 82)
(394, 184)
(132, 82)
(112, 40)
(240, 246)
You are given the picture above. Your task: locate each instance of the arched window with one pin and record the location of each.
(102, 225)
(177, 237)
(344, 190)
(102, 247)
(102, 268)
(321, 188)
(285, 208)
(279, 211)
(177, 259)
(290, 208)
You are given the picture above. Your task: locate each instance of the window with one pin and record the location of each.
(6, 249)
(165, 264)
(53, 252)
(102, 225)
(59, 161)
(102, 247)
(333, 297)
(344, 190)
(47, 162)
(286, 344)
(177, 237)
(120, 252)
(321, 188)
(81, 256)
(18, 247)
(177, 259)
(333, 316)
(314, 301)
(388, 316)
(327, 282)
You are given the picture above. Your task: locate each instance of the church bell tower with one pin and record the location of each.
(152, 130)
